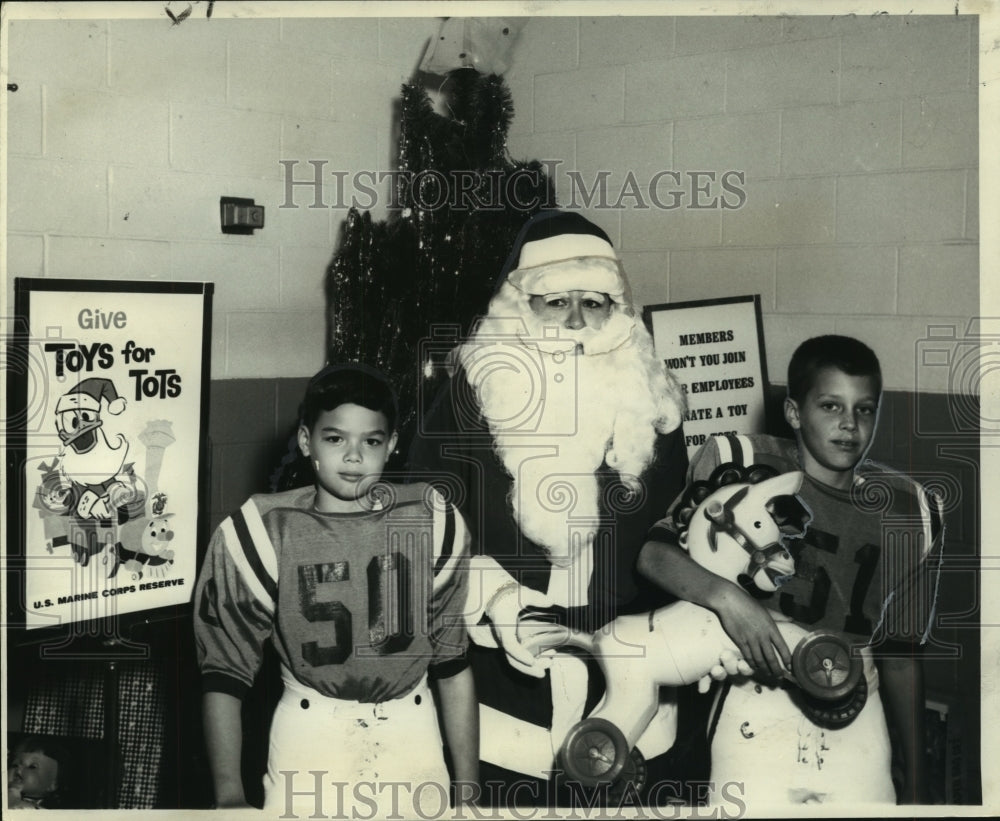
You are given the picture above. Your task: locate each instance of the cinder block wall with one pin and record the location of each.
(124, 134)
(858, 138)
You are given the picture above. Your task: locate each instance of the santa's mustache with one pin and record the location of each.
(549, 338)
(582, 337)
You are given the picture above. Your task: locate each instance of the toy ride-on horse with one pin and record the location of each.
(734, 531)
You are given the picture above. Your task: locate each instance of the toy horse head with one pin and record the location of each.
(739, 529)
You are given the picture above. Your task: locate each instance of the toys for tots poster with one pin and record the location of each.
(112, 453)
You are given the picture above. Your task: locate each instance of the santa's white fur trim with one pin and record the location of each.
(556, 417)
(582, 274)
(561, 247)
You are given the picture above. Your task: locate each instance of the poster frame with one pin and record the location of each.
(752, 302)
(110, 636)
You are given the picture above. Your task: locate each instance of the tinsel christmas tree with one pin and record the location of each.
(434, 262)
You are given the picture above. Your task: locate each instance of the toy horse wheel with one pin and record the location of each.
(595, 752)
(837, 714)
(823, 666)
(634, 775)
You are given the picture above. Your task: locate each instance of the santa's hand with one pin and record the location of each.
(730, 664)
(503, 611)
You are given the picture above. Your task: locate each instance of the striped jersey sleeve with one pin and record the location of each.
(705, 460)
(739, 450)
(913, 551)
(449, 637)
(234, 602)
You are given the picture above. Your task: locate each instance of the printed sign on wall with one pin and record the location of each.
(715, 348)
(108, 411)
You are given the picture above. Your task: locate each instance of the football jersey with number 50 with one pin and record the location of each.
(358, 605)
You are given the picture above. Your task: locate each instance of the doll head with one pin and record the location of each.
(34, 771)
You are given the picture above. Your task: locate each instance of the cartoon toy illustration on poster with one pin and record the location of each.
(89, 482)
(102, 497)
(145, 547)
(112, 456)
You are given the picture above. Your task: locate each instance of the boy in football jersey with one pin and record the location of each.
(359, 584)
(865, 568)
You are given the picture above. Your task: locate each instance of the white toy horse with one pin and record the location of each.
(732, 532)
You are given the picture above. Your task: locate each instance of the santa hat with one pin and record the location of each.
(88, 395)
(563, 251)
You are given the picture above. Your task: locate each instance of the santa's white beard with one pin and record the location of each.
(97, 465)
(556, 417)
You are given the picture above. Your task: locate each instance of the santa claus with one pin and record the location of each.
(558, 437)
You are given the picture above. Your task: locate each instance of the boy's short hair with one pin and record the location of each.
(353, 384)
(842, 352)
